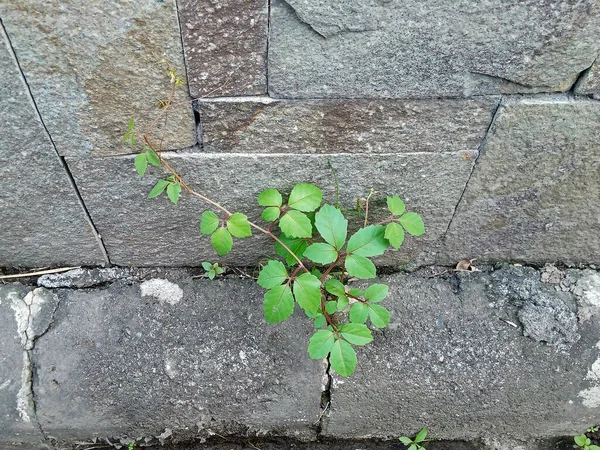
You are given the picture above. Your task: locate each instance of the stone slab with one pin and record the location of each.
(225, 45)
(408, 49)
(346, 126)
(91, 69)
(143, 232)
(174, 359)
(534, 193)
(590, 83)
(41, 222)
(458, 359)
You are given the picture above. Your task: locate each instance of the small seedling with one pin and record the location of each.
(419, 441)
(592, 429)
(212, 270)
(585, 443)
(131, 446)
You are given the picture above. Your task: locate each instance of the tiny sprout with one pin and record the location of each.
(418, 443)
(212, 270)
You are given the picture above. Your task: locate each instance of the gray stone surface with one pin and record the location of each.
(392, 48)
(138, 231)
(590, 83)
(225, 45)
(85, 278)
(41, 221)
(91, 69)
(176, 358)
(346, 126)
(534, 193)
(455, 358)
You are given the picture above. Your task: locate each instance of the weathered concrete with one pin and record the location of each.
(459, 359)
(590, 82)
(225, 45)
(138, 231)
(346, 126)
(91, 69)
(383, 49)
(534, 193)
(41, 221)
(125, 362)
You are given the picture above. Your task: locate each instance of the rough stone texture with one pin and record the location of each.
(119, 364)
(84, 278)
(225, 45)
(455, 359)
(91, 69)
(590, 83)
(534, 193)
(138, 231)
(36, 229)
(346, 126)
(392, 48)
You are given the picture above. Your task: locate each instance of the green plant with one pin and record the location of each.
(318, 254)
(592, 430)
(584, 442)
(131, 446)
(212, 270)
(419, 441)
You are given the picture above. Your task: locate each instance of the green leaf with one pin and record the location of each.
(294, 224)
(141, 164)
(335, 287)
(152, 157)
(360, 267)
(131, 139)
(158, 188)
(380, 317)
(297, 246)
(330, 307)
(304, 197)
(580, 440)
(413, 447)
(211, 274)
(342, 302)
(421, 436)
(395, 234)
(126, 137)
(273, 274)
(356, 292)
(405, 440)
(279, 303)
(320, 343)
(332, 225)
(395, 205)
(412, 223)
(219, 270)
(130, 125)
(359, 313)
(206, 266)
(173, 191)
(222, 241)
(238, 225)
(356, 333)
(271, 213)
(376, 292)
(307, 290)
(319, 321)
(270, 197)
(209, 222)
(368, 241)
(321, 253)
(343, 358)
(594, 447)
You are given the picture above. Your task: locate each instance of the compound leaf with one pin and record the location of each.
(332, 225)
(295, 224)
(279, 303)
(330, 307)
(395, 205)
(376, 292)
(270, 197)
(395, 234)
(343, 358)
(173, 192)
(368, 241)
(342, 303)
(141, 164)
(360, 267)
(335, 287)
(270, 214)
(307, 290)
(412, 223)
(356, 292)
(209, 222)
(380, 317)
(356, 333)
(273, 274)
(238, 225)
(158, 188)
(320, 343)
(222, 241)
(297, 246)
(321, 253)
(304, 197)
(359, 313)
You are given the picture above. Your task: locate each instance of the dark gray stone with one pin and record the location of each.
(455, 359)
(346, 126)
(84, 278)
(143, 232)
(169, 361)
(41, 220)
(225, 43)
(399, 49)
(534, 193)
(91, 69)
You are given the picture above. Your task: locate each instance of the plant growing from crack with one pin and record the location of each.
(318, 255)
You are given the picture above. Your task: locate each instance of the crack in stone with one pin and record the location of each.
(61, 159)
(302, 19)
(580, 79)
(325, 404)
(506, 80)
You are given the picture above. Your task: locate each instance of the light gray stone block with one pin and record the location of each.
(225, 45)
(41, 221)
(92, 67)
(138, 231)
(400, 49)
(534, 193)
(346, 126)
(174, 357)
(590, 83)
(456, 359)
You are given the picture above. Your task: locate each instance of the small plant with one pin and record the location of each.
(318, 254)
(419, 441)
(131, 446)
(585, 443)
(592, 430)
